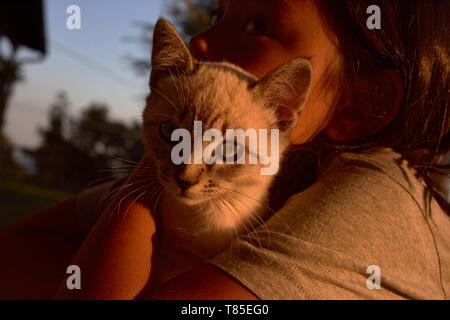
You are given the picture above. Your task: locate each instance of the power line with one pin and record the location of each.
(93, 65)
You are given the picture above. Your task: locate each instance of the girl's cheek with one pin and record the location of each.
(263, 57)
(254, 56)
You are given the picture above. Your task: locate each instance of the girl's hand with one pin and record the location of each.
(116, 258)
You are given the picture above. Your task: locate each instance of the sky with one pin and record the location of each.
(104, 24)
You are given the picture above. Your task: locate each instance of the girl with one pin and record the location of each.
(361, 200)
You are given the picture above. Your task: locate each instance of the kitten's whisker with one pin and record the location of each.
(154, 185)
(257, 218)
(134, 201)
(252, 235)
(133, 164)
(116, 170)
(121, 188)
(125, 160)
(243, 194)
(117, 206)
(259, 222)
(183, 94)
(124, 166)
(227, 202)
(165, 115)
(264, 205)
(214, 204)
(95, 182)
(149, 186)
(157, 200)
(165, 97)
(172, 79)
(224, 203)
(219, 205)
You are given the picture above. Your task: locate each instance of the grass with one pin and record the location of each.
(19, 200)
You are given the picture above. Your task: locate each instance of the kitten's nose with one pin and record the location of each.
(185, 184)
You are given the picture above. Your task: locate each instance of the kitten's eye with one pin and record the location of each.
(230, 151)
(216, 16)
(165, 130)
(257, 26)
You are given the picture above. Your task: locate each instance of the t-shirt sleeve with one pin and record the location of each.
(327, 241)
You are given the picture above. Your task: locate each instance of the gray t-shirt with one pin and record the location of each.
(367, 221)
(366, 211)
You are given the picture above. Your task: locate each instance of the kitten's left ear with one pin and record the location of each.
(285, 89)
(169, 53)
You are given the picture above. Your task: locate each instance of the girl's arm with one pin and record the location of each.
(115, 259)
(35, 252)
(115, 262)
(204, 282)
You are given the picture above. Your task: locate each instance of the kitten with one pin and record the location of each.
(206, 206)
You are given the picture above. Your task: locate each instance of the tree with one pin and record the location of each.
(9, 168)
(105, 138)
(52, 156)
(191, 16)
(58, 115)
(21, 26)
(188, 16)
(10, 73)
(75, 151)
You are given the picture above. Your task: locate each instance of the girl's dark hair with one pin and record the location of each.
(414, 42)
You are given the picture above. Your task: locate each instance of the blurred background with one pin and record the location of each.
(71, 99)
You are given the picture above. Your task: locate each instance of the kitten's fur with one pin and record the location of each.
(228, 198)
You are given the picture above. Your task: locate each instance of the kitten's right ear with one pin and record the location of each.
(169, 53)
(285, 89)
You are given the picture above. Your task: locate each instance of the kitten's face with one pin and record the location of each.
(219, 96)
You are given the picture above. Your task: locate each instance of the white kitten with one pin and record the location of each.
(202, 206)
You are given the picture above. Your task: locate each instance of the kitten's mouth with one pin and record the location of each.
(185, 194)
(188, 196)
(191, 198)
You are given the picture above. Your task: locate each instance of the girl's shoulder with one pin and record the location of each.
(365, 210)
(301, 170)
(384, 160)
(370, 168)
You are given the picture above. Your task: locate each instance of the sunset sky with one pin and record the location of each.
(100, 43)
